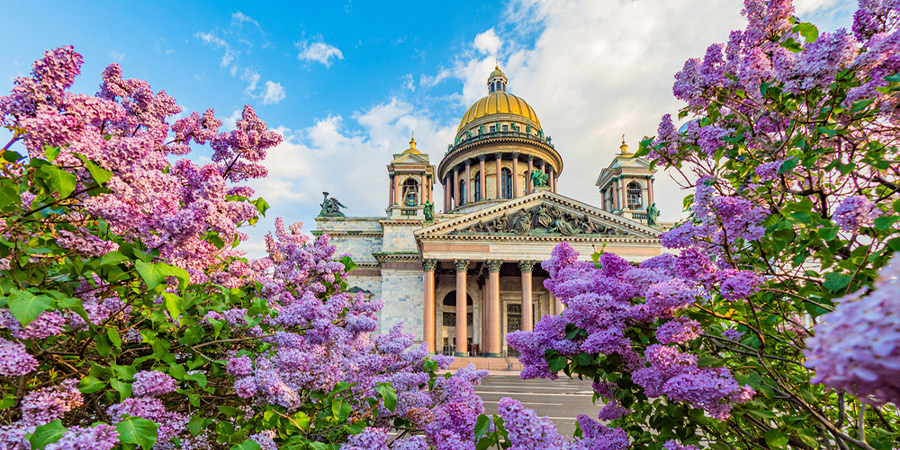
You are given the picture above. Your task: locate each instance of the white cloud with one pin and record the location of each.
(274, 93)
(431, 81)
(252, 79)
(118, 56)
(319, 52)
(218, 43)
(408, 82)
(239, 18)
(488, 42)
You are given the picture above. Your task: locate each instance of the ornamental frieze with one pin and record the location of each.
(542, 219)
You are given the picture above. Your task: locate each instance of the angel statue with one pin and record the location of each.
(331, 207)
(539, 178)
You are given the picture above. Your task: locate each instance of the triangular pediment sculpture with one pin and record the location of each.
(541, 214)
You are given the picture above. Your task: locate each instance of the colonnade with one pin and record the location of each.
(453, 198)
(491, 331)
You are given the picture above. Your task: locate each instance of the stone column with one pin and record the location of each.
(482, 188)
(397, 193)
(423, 195)
(494, 323)
(528, 184)
(650, 191)
(515, 175)
(428, 324)
(468, 189)
(615, 188)
(448, 193)
(619, 188)
(603, 200)
(526, 268)
(499, 178)
(456, 187)
(390, 190)
(462, 330)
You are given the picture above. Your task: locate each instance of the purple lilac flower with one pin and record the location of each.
(768, 171)
(856, 347)
(672, 445)
(599, 437)
(733, 334)
(170, 423)
(525, 429)
(50, 403)
(612, 410)
(151, 383)
(738, 284)
(240, 366)
(678, 330)
(14, 359)
(99, 437)
(854, 213)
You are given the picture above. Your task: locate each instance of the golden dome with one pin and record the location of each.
(498, 102)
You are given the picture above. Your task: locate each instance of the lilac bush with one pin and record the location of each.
(128, 317)
(788, 147)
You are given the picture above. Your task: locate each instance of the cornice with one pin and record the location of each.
(486, 147)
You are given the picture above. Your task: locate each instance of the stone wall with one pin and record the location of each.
(403, 294)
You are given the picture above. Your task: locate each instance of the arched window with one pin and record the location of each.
(462, 192)
(410, 193)
(477, 190)
(449, 319)
(506, 183)
(635, 194)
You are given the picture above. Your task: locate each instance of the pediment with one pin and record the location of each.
(410, 158)
(542, 214)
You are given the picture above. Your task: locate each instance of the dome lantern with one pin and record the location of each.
(497, 81)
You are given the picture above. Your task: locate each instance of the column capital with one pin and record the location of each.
(461, 264)
(482, 157)
(493, 265)
(526, 265)
(531, 157)
(498, 155)
(429, 264)
(515, 155)
(468, 163)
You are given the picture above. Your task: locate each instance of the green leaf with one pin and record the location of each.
(8, 400)
(883, 223)
(388, 394)
(47, 434)
(99, 174)
(894, 78)
(482, 425)
(58, 179)
(836, 281)
(808, 31)
(113, 334)
(89, 385)
(249, 444)
(557, 363)
(788, 165)
(763, 414)
(112, 258)
(26, 306)
(174, 304)
(75, 305)
(156, 273)
(261, 205)
(138, 431)
(776, 438)
(51, 152)
(860, 105)
(827, 131)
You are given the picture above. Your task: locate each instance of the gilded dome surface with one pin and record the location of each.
(498, 102)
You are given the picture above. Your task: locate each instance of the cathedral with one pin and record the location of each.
(463, 277)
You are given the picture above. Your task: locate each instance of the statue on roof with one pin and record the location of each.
(652, 214)
(539, 178)
(331, 207)
(428, 210)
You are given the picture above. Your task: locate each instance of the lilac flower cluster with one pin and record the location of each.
(855, 212)
(605, 302)
(527, 431)
(151, 383)
(100, 437)
(856, 347)
(14, 359)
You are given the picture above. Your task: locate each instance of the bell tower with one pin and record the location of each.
(626, 185)
(411, 184)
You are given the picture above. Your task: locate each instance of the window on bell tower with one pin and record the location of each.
(635, 194)
(410, 193)
(477, 189)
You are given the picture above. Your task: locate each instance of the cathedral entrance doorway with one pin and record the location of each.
(448, 328)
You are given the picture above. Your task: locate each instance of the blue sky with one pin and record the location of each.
(347, 82)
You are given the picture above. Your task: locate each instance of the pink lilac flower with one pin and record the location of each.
(855, 212)
(768, 171)
(856, 347)
(14, 359)
(875, 16)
